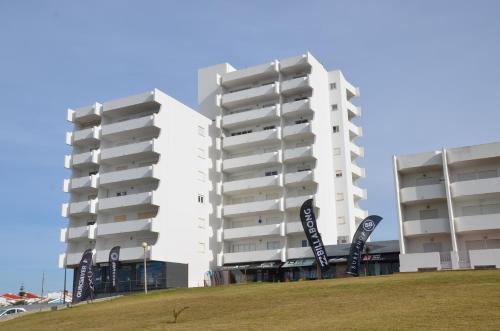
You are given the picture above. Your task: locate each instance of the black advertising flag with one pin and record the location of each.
(83, 286)
(364, 231)
(313, 236)
(114, 257)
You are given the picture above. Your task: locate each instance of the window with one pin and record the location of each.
(201, 176)
(93, 173)
(336, 151)
(304, 243)
(341, 220)
(201, 131)
(333, 86)
(273, 244)
(336, 129)
(270, 127)
(342, 239)
(122, 193)
(271, 173)
(303, 168)
(301, 121)
(428, 214)
(432, 247)
(201, 247)
(339, 196)
(237, 133)
(120, 218)
(335, 107)
(300, 98)
(201, 222)
(338, 173)
(201, 198)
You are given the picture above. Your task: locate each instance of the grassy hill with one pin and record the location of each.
(436, 300)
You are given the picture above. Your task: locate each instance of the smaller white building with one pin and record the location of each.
(448, 204)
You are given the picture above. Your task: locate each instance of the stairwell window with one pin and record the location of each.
(342, 239)
(271, 173)
(201, 131)
(335, 107)
(304, 243)
(201, 198)
(336, 151)
(338, 173)
(341, 220)
(336, 129)
(333, 86)
(339, 196)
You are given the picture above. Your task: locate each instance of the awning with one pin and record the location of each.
(300, 263)
(265, 265)
(234, 267)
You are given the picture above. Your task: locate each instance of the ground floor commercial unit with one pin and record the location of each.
(380, 258)
(448, 204)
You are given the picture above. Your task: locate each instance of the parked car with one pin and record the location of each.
(11, 311)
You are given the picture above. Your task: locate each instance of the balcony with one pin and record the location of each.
(114, 228)
(424, 193)
(473, 153)
(129, 152)
(484, 257)
(252, 184)
(253, 256)
(295, 86)
(251, 162)
(294, 227)
(78, 233)
(419, 162)
(297, 108)
(250, 117)
(296, 202)
(252, 231)
(82, 160)
(295, 63)
(415, 261)
(250, 75)
(465, 224)
(352, 110)
(81, 184)
(359, 193)
(70, 259)
(85, 114)
(146, 101)
(127, 201)
(299, 178)
(299, 154)
(252, 208)
(250, 96)
(479, 187)
(87, 207)
(360, 214)
(142, 175)
(297, 131)
(249, 139)
(357, 172)
(84, 136)
(354, 131)
(127, 254)
(299, 252)
(356, 151)
(425, 227)
(142, 126)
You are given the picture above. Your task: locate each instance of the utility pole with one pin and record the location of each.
(43, 282)
(64, 291)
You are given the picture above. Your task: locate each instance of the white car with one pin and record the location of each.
(11, 311)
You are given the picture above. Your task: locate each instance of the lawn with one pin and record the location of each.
(435, 300)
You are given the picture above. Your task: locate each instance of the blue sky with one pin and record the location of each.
(428, 73)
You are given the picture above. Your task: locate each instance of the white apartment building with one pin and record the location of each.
(283, 132)
(448, 204)
(139, 173)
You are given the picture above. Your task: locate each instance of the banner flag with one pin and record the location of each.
(83, 285)
(114, 258)
(313, 236)
(364, 231)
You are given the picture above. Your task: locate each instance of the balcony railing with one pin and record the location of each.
(297, 108)
(353, 110)
(424, 193)
(251, 161)
(250, 96)
(85, 114)
(249, 208)
(82, 160)
(299, 178)
(129, 176)
(81, 184)
(295, 63)
(79, 208)
(486, 186)
(296, 202)
(297, 131)
(464, 224)
(359, 193)
(253, 256)
(298, 154)
(252, 184)
(249, 139)
(357, 172)
(250, 75)
(296, 85)
(123, 152)
(136, 126)
(354, 131)
(252, 231)
(84, 136)
(299, 252)
(127, 254)
(124, 201)
(78, 233)
(250, 117)
(294, 227)
(426, 227)
(114, 228)
(419, 162)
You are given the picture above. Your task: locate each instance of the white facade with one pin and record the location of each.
(448, 204)
(139, 173)
(282, 132)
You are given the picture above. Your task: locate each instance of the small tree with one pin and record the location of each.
(366, 252)
(177, 313)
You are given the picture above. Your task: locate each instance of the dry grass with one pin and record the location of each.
(438, 300)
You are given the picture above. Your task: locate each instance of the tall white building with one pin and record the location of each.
(139, 173)
(283, 132)
(448, 204)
